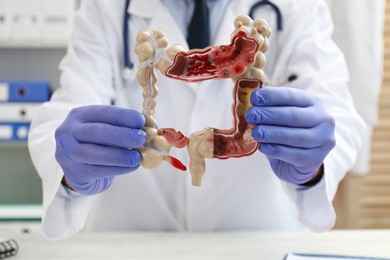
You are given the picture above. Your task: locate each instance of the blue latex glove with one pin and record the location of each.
(294, 129)
(93, 145)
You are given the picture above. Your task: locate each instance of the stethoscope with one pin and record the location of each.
(129, 70)
(279, 30)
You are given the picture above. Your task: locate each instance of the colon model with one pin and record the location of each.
(242, 60)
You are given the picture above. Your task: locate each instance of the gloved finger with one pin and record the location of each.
(110, 115)
(306, 159)
(286, 116)
(294, 137)
(282, 96)
(98, 133)
(91, 187)
(289, 173)
(104, 155)
(88, 173)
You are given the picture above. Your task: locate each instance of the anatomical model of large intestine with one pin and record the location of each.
(242, 60)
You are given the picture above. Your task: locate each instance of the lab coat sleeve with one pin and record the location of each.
(322, 70)
(86, 79)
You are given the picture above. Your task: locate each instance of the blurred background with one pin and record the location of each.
(363, 201)
(33, 40)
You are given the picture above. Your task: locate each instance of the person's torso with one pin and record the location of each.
(236, 194)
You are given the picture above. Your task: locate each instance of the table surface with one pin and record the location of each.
(199, 246)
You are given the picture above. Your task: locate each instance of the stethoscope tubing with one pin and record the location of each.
(126, 54)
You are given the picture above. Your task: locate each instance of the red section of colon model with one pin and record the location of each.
(231, 143)
(224, 61)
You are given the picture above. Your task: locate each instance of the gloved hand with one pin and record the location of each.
(93, 145)
(294, 129)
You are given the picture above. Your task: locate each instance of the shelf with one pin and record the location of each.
(33, 44)
(15, 144)
(20, 212)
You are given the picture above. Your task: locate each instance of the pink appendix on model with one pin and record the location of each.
(242, 60)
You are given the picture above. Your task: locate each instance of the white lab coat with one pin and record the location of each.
(364, 56)
(236, 194)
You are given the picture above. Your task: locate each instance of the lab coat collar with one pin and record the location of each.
(152, 9)
(142, 8)
(159, 18)
(234, 9)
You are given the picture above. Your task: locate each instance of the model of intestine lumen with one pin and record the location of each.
(242, 60)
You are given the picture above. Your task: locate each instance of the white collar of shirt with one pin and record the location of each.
(182, 11)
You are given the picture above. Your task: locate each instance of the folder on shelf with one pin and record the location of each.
(18, 112)
(24, 91)
(14, 131)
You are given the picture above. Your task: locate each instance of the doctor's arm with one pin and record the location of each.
(94, 144)
(295, 131)
(58, 143)
(311, 124)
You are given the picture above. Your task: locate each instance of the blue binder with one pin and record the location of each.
(24, 91)
(14, 131)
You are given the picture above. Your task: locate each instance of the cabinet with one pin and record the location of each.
(36, 23)
(33, 56)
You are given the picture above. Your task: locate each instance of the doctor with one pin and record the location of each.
(309, 130)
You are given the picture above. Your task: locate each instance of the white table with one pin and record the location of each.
(199, 246)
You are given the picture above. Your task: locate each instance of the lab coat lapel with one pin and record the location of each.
(160, 18)
(215, 96)
(234, 9)
(174, 93)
